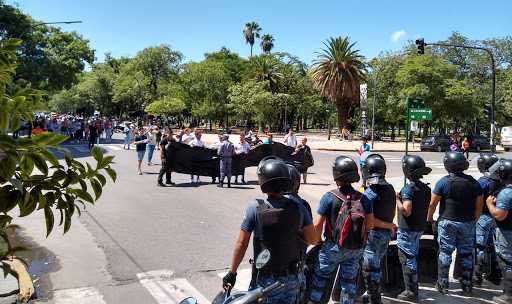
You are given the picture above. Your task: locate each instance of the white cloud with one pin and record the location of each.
(397, 35)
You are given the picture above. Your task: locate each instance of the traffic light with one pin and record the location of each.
(420, 43)
(487, 110)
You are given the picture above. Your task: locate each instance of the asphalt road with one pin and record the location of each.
(158, 244)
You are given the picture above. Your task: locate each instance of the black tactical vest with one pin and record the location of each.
(384, 208)
(417, 220)
(279, 233)
(493, 189)
(506, 224)
(459, 204)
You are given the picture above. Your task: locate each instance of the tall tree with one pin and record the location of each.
(337, 73)
(49, 58)
(267, 43)
(266, 68)
(251, 32)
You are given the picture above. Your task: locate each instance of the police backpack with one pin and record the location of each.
(349, 229)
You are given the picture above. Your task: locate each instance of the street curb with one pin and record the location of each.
(354, 150)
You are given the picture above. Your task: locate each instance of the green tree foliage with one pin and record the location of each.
(31, 178)
(48, 58)
(166, 106)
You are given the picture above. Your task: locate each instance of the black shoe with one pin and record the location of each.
(170, 183)
(220, 185)
(467, 291)
(408, 295)
(243, 182)
(441, 288)
(229, 185)
(160, 184)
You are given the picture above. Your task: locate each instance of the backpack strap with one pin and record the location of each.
(342, 197)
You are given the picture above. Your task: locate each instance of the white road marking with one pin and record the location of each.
(243, 279)
(116, 148)
(166, 290)
(86, 295)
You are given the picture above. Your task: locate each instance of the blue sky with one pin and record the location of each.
(299, 27)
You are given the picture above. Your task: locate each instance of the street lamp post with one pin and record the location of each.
(373, 107)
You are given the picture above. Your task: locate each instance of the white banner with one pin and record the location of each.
(363, 97)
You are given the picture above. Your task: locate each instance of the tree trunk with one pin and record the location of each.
(342, 110)
(251, 49)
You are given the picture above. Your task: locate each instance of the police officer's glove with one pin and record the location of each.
(229, 280)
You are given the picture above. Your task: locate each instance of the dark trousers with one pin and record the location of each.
(92, 141)
(164, 170)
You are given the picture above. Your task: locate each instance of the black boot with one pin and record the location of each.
(506, 298)
(442, 278)
(466, 281)
(411, 285)
(372, 288)
(480, 266)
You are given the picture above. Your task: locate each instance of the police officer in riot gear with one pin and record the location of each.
(382, 197)
(278, 224)
(412, 205)
(485, 225)
(500, 207)
(345, 172)
(461, 201)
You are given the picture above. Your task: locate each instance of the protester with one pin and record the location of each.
(225, 151)
(466, 146)
(307, 150)
(196, 142)
(93, 135)
(151, 134)
(127, 136)
(166, 158)
(290, 139)
(140, 143)
(242, 148)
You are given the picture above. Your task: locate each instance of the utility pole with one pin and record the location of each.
(421, 50)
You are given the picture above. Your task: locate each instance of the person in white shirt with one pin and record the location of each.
(196, 142)
(242, 147)
(186, 137)
(290, 139)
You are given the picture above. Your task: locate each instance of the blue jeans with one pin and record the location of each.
(408, 242)
(329, 258)
(484, 230)
(150, 148)
(376, 248)
(503, 244)
(455, 235)
(290, 293)
(140, 155)
(127, 141)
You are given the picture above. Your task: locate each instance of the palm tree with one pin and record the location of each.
(266, 68)
(251, 32)
(267, 43)
(337, 73)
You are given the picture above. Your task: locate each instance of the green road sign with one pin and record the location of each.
(420, 114)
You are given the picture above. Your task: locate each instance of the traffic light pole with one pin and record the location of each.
(493, 100)
(407, 133)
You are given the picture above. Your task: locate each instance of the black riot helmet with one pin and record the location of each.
(455, 162)
(295, 179)
(485, 161)
(376, 166)
(273, 176)
(505, 170)
(345, 170)
(414, 167)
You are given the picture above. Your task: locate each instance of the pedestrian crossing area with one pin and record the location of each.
(161, 285)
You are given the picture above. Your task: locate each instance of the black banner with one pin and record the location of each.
(205, 162)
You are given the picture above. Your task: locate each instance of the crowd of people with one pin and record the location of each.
(150, 137)
(78, 128)
(354, 227)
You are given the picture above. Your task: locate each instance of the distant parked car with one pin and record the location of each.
(439, 143)
(119, 128)
(479, 143)
(506, 138)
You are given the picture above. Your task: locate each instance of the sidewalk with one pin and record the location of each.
(319, 142)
